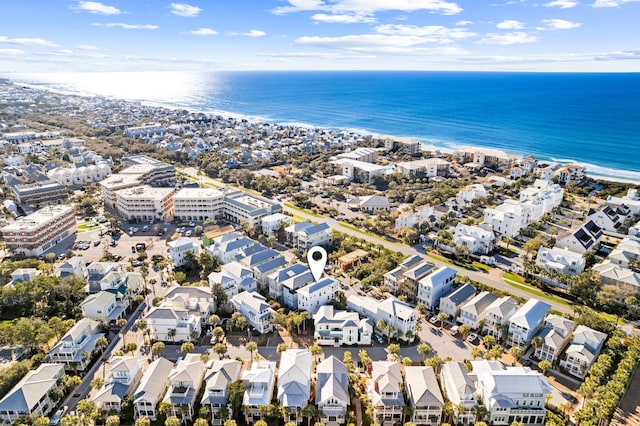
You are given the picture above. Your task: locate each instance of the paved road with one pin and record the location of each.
(492, 279)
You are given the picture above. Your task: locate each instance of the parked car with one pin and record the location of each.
(472, 338)
(433, 319)
(454, 330)
(97, 243)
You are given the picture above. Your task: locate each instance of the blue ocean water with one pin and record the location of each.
(588, 118)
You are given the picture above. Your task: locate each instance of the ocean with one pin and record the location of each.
(591, 119)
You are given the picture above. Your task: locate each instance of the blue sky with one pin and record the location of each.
(151, 35)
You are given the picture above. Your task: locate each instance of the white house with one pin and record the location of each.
(227, 246)
(555, 334)
(526, 322)
(102, 306)
(255, 309)
(470, 192)
(304, 235)
(511, 393)
(415, 216)
(610, 218)
(33, 394)
(451, 303)
(423, 393)
(583, 350)
(459, 387)
(294, 382)
(273, 222)
(277, 278)
(317, 294)
(341, 328)
(124, 373)
(259, 383)
(393, 277)
(217, 379)
(198, 301)
(474, 311)
(584, 239)
(385, 392)
(497, 316)
(399, 315)
(435, 285)
(332, 390)
(507, 219)
(71, 347)
(234, 278)
(185, 380)
(476, 239)
(560, 260)
(373, 203)
(179, 248)
(151, 389)
(631, 200)
(170, 324)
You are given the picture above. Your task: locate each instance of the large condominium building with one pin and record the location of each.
(145, 203)
(113, 184)
(240, 206)
(45, 192)
(198, 204)
(36, 233)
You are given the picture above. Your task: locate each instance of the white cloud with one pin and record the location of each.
(97, 8)
(186, 10)
(97, 55)
(380, 43)
(610, 3)
(11, 52)
(322, 55)
(508, 38)
(429, 34)
(560, 24)
(203, 32)
(509, 24)
(87, 47)
(252, 33)
(562, 4)
(343, 19)
(463, 23)
(126, 26)
(25, 41)
(369, 7)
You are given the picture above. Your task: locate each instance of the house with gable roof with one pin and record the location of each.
(385, 392)
(71, 347)
(255, 309)
(409, 281)
(435, 285)
(341, 327)
(259, 383)
(149, 392)
(124, 374)
(555, 334)
(452, 302)
(459, 388)
(393, 277)
(473, 312)
(584, 348)
(217, 379)
(424, 395)
(560, 260)
(234, 278)
(279, 277)
(332, 390)
(526, 322)
(394, 312)
(294, 382)
(497, 316)
(185, 380)
(584, 239)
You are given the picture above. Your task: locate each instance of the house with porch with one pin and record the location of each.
(185, 380)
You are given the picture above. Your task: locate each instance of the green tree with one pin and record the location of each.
(316, 351)
(516, 352)
(158, 349)
(172, 421)
(201, 422)
(281, 348)
(97, 383)
(219, 333)
(112, 421)
(424, 350)
(235, 391)
(85, 407)
(442, 317)
(220, 349)
(488, 341)
(545, 366)
(251, 347)
(464, 330)
(393, 350)
(187, 347)
(143, 421)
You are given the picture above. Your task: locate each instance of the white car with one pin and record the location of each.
(472, 338)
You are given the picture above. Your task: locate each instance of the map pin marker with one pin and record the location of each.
(317, 258)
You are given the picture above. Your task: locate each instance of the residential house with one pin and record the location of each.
(274, 222)
(34, 394)
(478, 240)
(75, 266)
(151, 388)
(408, 283)
(611, 274)
(426, 167)
(555, 334)
(626, 254)
(185, 380)
(631, 200)
(497, 315)
(332, 390)
(170, 324)
(399, 316)
(451, 303)
(393, 277)
(459, 387)
(102, 306)
(424, 395)
(255, 309)
(385, 392)
(569, 173)
(71, 348)
(124, 374)
(341, 328)
(511, 394)
(304, 235)
(372, 203)
(584, 348)
(25, 274)
(415, 216)
(584, 239)
(435, 285)
(288, 274)
(317, 294)
(198, 301)
(179, 248)
(294, 382)
(560, 260)
(474, 311)
(234, 278)
(227, 246)
(259, 383)
(217, 379)
(470, 192)
(262, 271)
(526, 322)
(358, 171)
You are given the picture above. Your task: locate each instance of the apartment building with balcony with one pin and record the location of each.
(145, 203)
(198, 204)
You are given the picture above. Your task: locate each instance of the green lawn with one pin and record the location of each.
(481, 266)
(441, 259)
(538, 293)
(353, 228)
(296, 208)
(513, 277)
(83, 227)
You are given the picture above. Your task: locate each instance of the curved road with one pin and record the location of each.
(492, 279)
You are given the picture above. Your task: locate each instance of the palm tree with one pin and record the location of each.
(442, 317)
(220, 349)
(158, 349)
(424, 350)
(309, 411)
(251, 347)
(281, 348)
(516, 352)
(316, 351)
(536, 342)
